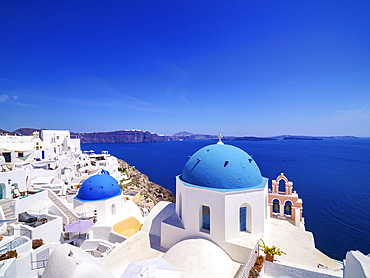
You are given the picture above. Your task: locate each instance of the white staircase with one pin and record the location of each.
(9, 215)
(72, 217)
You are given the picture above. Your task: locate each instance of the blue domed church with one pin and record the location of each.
(220, 196)
(103, 191)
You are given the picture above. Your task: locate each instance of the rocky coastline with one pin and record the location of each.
(141, 181)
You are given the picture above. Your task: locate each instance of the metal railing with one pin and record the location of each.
(244, 270)
(42, 264)
(10, 245)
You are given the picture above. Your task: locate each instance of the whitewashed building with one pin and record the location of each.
(221, 196)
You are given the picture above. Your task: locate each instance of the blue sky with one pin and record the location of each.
(243, 68)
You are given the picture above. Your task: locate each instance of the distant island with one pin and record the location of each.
(299, 137)
(139, 136)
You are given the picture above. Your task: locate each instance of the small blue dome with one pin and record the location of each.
(222, 167)
(99, 187)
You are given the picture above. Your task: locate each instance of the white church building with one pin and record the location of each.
(103, 192)
(220, 196)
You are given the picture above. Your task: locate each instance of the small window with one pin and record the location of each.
(243, 219)
(37, 143)
(7, 157)
(206, 218)
(20, 154)
(57, 137)
(180, 206)
(37, 148)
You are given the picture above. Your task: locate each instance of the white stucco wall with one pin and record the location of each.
(224, 217)
(49, 232)
(356, 265)
(11, 177)
(21, 203)
(59, 135)
(9, 269)
(70, 261)
(286, 269)
(192, 201)
(152, 223)
(254, 201)
(104, 207)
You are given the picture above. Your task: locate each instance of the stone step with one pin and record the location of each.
(8, 213)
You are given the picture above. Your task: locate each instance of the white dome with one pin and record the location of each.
(200, 258)
(72, 262)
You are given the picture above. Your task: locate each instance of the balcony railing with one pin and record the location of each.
(244, 270)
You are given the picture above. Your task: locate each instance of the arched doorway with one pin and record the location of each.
(2, 191)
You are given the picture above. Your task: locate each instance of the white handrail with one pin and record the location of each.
(244, 271)
(71, 213)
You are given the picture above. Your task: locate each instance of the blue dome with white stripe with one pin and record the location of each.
(222, 167)
(99, 187)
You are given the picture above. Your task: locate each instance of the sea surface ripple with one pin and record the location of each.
(331, 176)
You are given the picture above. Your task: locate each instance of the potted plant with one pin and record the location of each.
(37, 243)
(271, 251)
(9, 254)
(259, 262)
(254, 273)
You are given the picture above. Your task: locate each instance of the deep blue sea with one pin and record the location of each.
(331, 176)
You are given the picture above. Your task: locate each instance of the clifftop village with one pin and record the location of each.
(71, 213)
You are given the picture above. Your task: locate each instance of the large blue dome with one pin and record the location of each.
(222, 167)
(99, 187)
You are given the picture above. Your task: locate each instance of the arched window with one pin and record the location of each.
(243, 219)
(114, 209)
(288, 208)
(282, 185)
(2, 190)
(206, 218)
(180, 205)
(276, 206)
